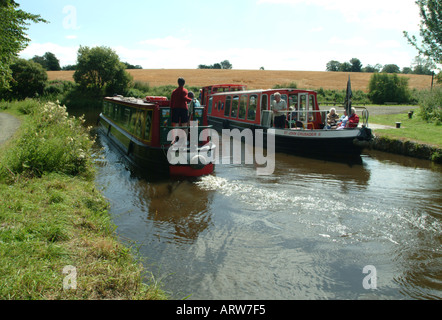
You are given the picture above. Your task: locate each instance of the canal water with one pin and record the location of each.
(312, 230)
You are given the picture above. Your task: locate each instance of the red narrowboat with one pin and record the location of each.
(140, 129)
(302, 129)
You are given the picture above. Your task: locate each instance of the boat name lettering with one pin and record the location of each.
(302, 134)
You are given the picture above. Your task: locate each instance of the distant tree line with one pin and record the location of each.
(222, 65)
(419, 66)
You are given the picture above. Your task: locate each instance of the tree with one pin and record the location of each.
(29, 79)
(13, 27)
(49, 61)
(388, 88)
(99, 69)
(391, 68)
(423, 66)
(356, 65)
(430, 30)
(333, 66)
(372, 69)
(226, 64)
(345, 67)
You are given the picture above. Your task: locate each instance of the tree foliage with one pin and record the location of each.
(99, 69)
(385, 87)
(222, 65)
(29, 79)
(48, 61)
(430, 30)
(13, 26)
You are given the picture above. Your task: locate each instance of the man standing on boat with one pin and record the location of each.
(178, 105)
(279, 107)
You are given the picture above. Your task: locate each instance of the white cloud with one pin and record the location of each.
(388, 44)
(66, 55)
(168, 42)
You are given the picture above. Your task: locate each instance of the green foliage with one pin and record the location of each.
(50, 141)
(431, 105)
(430, 30)
(13, 39)
(388, 88)
(291, 85)
(99, 69)
(48, 61)
(29, 79)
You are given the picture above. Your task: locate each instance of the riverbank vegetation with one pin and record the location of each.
(57, 239)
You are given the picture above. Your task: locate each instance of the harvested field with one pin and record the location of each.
(255, 79)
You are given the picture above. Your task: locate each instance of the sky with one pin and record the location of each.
(301, 35)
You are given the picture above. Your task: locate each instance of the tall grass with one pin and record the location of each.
(431, 105)
(50, 141)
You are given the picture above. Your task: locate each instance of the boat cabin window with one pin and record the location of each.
(253, 103)
(293, 105)
(264, 102)
(228, 105)
(209, 111)
(243, 107)
(235, 105)
(302, 107)
(312, 115)
(148, 126)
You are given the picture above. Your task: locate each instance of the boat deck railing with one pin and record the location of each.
(305, 119)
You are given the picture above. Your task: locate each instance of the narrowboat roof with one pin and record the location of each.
(130, 101)
(264, 91)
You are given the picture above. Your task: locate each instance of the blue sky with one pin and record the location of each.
(274, 34)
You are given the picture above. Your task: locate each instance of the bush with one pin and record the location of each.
(431, 105)
(50, 141)
(388, 88)
(29, 79)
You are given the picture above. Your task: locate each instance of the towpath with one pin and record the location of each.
(8, 125)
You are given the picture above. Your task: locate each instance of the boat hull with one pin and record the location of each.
(324, 144)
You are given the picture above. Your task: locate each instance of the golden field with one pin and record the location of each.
(255, 79)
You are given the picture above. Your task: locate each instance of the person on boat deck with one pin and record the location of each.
(332, 119)
(353, 120)
(279, 106)
(178, 105)
(192, 105)
(343, 121)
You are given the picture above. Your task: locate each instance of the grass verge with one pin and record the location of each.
(415, 129)
(57, 239)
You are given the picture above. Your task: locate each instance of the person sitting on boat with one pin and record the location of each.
(279, 106)
(178, 105)
(332, 119)
(192, 105)
(343, 121)
(353, 120)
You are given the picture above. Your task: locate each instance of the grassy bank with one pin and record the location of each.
(415, 129)
(57, 239)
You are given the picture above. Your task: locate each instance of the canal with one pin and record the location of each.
(312, 230)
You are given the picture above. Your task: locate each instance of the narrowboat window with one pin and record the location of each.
(251, 114)
(139, 124)
(302, 107)
(243, 107)
(235, 105)
(264, 102)
(125, 117)
(209, 111)
(312, 106)
(115, 113)
(148, 127)
(293, 103)
(228, 104)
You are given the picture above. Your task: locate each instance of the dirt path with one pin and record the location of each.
(8, 125)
